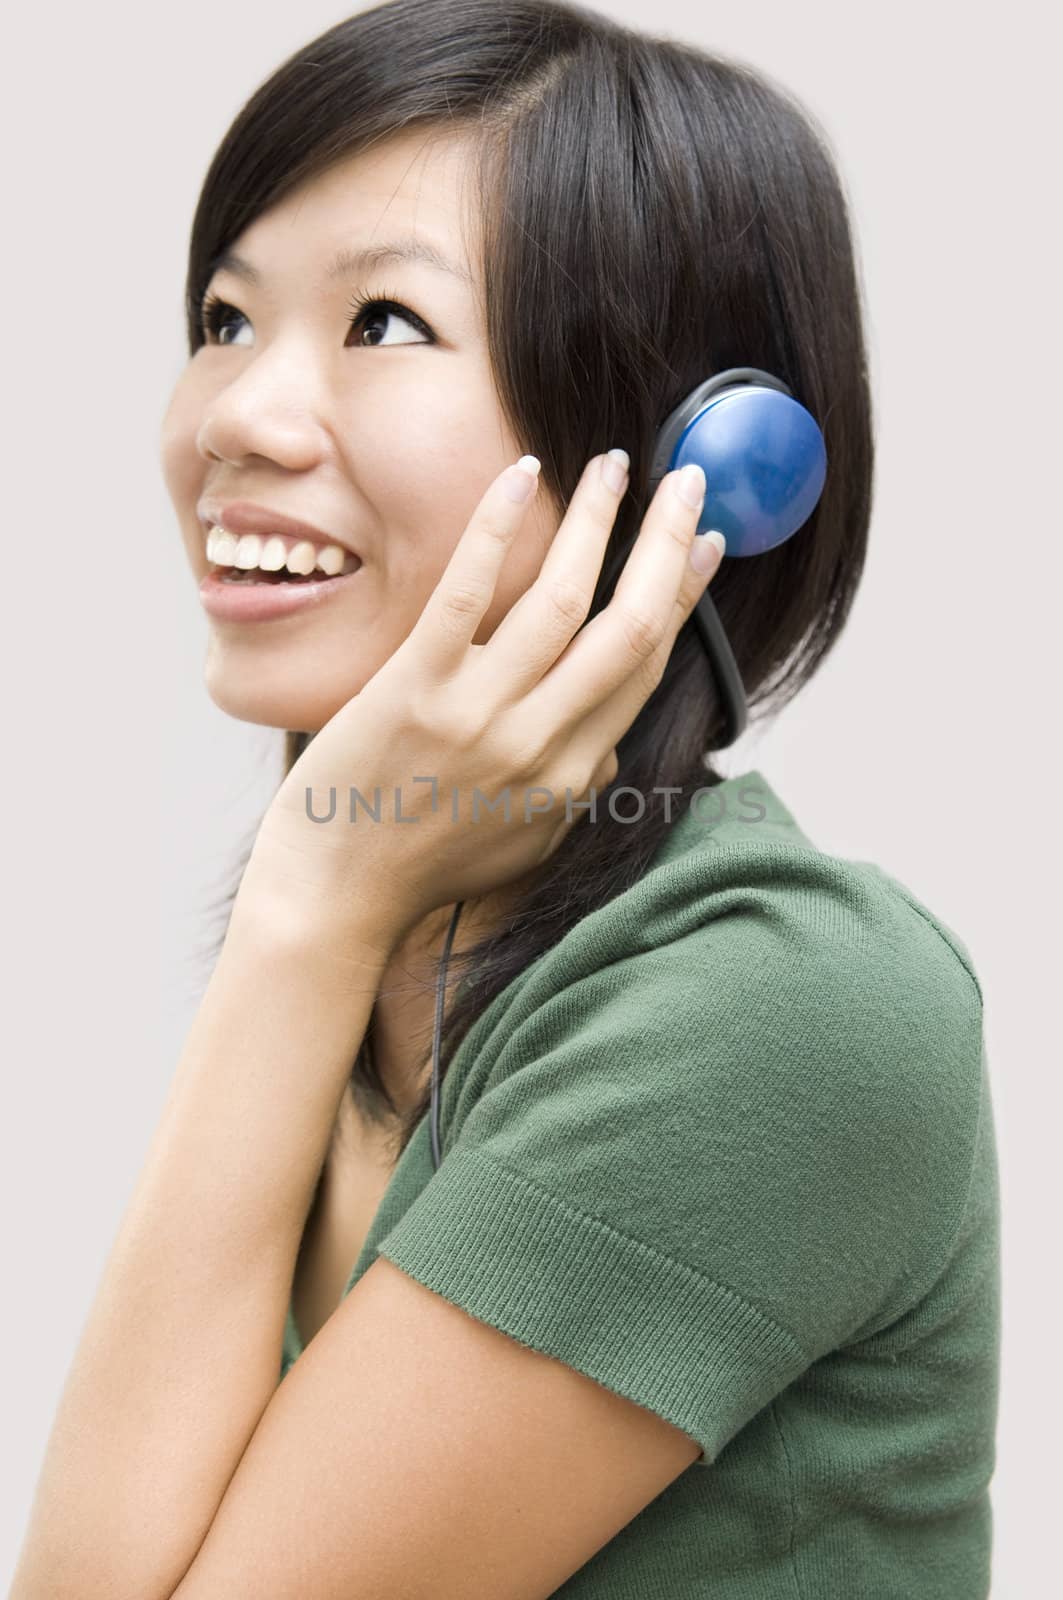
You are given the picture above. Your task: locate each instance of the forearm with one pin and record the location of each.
(180, 1353)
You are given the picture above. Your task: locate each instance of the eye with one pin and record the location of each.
(215, 319)
(370, 314)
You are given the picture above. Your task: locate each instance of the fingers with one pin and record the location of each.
(619, 657)
(604, 728)
(543, 622)
(456, 607)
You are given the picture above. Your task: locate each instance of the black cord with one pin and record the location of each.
(441, 989)
(725, 671)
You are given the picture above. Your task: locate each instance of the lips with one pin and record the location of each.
(244, 516)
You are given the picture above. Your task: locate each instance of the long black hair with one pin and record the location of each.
(652, 214)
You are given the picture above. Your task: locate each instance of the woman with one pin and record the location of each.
(713, 1180)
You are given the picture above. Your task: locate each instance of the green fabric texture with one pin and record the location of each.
(728, 1149)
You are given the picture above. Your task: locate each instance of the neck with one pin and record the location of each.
(403, 1016)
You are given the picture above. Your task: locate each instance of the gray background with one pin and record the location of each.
(924, 744)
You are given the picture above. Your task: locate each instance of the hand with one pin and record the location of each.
(540, 706)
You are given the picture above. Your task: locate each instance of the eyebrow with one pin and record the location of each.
(347, 261)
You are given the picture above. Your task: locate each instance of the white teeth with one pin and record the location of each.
(271, 553)
(302, 557)
(221, 547)
(330, 560)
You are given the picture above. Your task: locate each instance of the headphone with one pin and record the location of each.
(765, 463)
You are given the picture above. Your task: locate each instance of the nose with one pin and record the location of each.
(270, 410)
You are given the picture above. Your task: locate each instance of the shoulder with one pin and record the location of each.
(739, 913)
(756, 996)
(784, 938)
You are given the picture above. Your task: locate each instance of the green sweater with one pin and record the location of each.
(728, 1149)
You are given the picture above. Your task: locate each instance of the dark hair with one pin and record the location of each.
(652, 214)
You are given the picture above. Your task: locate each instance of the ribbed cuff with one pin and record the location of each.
(649, 1328)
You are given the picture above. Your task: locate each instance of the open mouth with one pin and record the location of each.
(274, 559)
(261, 578)
(237, 576)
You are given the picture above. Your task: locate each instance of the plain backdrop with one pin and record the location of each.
(925, 743)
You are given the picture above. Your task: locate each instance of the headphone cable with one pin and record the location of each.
(441, 989)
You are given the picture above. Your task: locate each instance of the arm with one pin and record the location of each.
(412, 1450)
(179, 1359)
(180, 1353)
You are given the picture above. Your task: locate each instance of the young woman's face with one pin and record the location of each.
(380, 433)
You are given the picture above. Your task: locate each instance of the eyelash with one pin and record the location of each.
(212, 313)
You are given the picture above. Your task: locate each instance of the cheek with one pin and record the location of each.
(429, 473)
(182, 465)
(425, 481)
(181, 461)
(430, 443)
(417, 550)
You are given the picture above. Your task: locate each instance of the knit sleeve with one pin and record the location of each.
(697, 1170)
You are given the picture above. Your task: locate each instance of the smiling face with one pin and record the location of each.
(381, 428)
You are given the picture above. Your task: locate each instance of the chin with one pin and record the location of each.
(274, 699)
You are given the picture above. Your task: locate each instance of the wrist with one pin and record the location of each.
(283, 906)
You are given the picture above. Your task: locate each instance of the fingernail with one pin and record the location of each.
(707, 550)
(690, 484)
(614, 469)
(520, 479)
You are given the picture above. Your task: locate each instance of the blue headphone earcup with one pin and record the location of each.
(764, 461)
